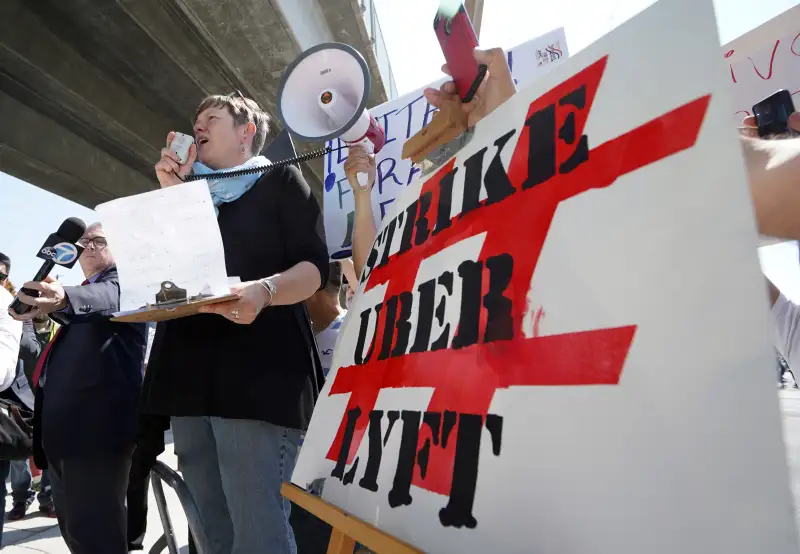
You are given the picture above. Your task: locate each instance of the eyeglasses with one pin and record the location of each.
(3, 276)
(98, 242)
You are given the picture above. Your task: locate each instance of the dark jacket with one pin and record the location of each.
(93, 378)
(268, 370)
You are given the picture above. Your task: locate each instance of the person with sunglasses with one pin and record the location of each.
(240, 381)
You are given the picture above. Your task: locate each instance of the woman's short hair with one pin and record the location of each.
(243, 110)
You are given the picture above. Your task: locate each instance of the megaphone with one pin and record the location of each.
(323, 95)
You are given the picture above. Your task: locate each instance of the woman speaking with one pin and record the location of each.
(240, 388)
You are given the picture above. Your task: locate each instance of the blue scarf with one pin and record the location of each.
(232, 188)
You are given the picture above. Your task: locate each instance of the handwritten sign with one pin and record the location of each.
(401, 119)
(537, 359)
(763, 61)
(167, 234)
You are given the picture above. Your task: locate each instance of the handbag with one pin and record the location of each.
(16, 431)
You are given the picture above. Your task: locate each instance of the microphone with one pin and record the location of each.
(60, 248)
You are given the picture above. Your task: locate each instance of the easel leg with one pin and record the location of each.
(341, 543)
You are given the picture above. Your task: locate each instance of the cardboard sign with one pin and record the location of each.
(544, 355)
(401, 119)
(763, 61)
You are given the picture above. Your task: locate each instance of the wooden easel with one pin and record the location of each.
(347, 530)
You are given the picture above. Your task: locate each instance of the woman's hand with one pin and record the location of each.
(358, 161)
(497, 87)
(244, 310)
(169, 169)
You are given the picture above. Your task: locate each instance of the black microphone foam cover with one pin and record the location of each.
(72, 229)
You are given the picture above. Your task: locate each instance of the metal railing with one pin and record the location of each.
(379, 47)
(160, 474)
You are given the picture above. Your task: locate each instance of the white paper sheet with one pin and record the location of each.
(165, 235)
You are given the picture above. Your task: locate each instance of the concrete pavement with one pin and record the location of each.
(39, 535)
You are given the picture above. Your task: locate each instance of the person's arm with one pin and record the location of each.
(10, 336)
(773, 169)
(364, 229)
(89, 303)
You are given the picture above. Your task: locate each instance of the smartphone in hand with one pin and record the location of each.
(458, 41)
(772, 114)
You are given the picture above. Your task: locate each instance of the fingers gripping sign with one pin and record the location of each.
(244, 309)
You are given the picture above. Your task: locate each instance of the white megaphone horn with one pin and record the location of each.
(323, 95)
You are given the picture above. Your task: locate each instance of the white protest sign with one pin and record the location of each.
(401, 119)
(542, 356)
(168, 234)
(763, 61)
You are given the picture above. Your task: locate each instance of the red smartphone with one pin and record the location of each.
(458, 40)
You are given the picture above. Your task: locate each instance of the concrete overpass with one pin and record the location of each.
(90, 88)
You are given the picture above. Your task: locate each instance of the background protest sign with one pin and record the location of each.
(763, 61)
(401, 119)
(542, 356)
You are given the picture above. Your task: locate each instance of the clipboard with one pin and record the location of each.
(171, 302)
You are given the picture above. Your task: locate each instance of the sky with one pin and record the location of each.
(30, 214)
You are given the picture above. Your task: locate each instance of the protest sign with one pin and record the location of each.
(763, 61)
(543, 355)
(401, 119)
(758, 63)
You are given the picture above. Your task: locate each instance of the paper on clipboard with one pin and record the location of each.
(169, 234)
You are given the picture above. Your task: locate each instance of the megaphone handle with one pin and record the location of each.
(363, 180)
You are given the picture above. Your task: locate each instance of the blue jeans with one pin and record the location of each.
(234, 469)
(21, 481)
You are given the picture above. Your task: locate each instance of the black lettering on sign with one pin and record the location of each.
(408, 228)
(393, 322)
(543, 139)
(469, 320)
(389, 234)
(372, 259)
(359, 357)
(542, 146)
(400, 495)
(446, 280)
(370, 479)
(350, 427)
(458, 512)
(499, 323)
(577, 99)
(445, 205)
(496, 182)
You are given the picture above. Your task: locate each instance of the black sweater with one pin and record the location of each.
(205, 365)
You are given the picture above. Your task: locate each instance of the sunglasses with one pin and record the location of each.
(3, 276)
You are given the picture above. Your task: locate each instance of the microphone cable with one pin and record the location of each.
(261, 168)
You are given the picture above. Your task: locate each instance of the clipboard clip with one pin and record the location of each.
(170, 293)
